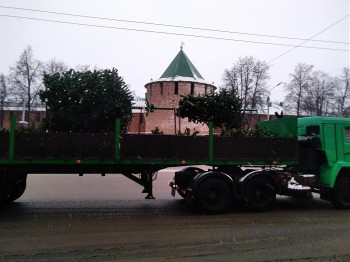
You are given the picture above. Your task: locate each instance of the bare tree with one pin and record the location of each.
(318, 98)
(248, 78)
(260, 77)
(83, 68)
(54, 66)
(25, 78)
(300, 83)
(316, 93)
(343, 93)
(3, 96)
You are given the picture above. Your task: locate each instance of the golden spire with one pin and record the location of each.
(182, 45)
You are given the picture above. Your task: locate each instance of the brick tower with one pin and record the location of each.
(179, 79)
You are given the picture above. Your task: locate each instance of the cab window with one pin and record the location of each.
(347, 134)
(313, 130)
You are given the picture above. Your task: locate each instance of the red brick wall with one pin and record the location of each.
(35, 117)
(162, 94)
(138, 123)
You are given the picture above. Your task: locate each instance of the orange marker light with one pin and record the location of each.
(183, 162)
(78, 161)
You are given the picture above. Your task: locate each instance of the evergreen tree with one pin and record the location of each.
(222, 108)
(86, 101)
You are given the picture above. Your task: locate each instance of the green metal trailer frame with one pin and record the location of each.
(148, 165)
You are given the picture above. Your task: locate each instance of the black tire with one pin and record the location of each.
(1, 196)
(190, 173)
(180, 193)
(304, 193)
(341, 192)
(259, 194)
(17, 190)
(214, 196)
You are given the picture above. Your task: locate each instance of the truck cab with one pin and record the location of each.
(333, 155)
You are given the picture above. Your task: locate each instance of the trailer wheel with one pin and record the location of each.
(214, 196)
(1, 196)
(187, 173)
(259, 194)
(341, 192)
(17, 189)
(179, 191)
(16, 193)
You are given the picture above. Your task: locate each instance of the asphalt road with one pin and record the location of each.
(93, 218)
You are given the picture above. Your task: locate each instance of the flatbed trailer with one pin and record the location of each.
(138, 157)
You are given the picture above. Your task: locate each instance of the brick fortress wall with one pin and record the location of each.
(168, 94)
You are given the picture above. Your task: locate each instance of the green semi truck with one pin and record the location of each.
(295, 157)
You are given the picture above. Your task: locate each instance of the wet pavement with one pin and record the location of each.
(93, 218)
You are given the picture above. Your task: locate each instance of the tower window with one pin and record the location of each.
(192, 88)
(206, 90)
(176, 88)
(161, 88)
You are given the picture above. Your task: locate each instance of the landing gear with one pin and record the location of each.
(147, 180)
(259, 194)
(341, 192)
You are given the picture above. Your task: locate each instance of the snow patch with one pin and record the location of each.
(292, 184)
(183, 79)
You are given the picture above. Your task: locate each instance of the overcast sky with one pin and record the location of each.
(140, 56)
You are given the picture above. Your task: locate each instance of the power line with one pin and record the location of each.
(337, 70)
(308, 39)
(168, 25)
(171, 33)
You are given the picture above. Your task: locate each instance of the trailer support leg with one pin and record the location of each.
(147, 178)
(146, 181)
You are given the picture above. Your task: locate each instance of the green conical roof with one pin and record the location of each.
(181, 66)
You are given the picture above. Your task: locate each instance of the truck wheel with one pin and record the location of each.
(214, 196)
(259, 194)
(341, 192)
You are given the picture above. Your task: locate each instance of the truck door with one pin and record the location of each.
(346, 143)
(330, 143)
